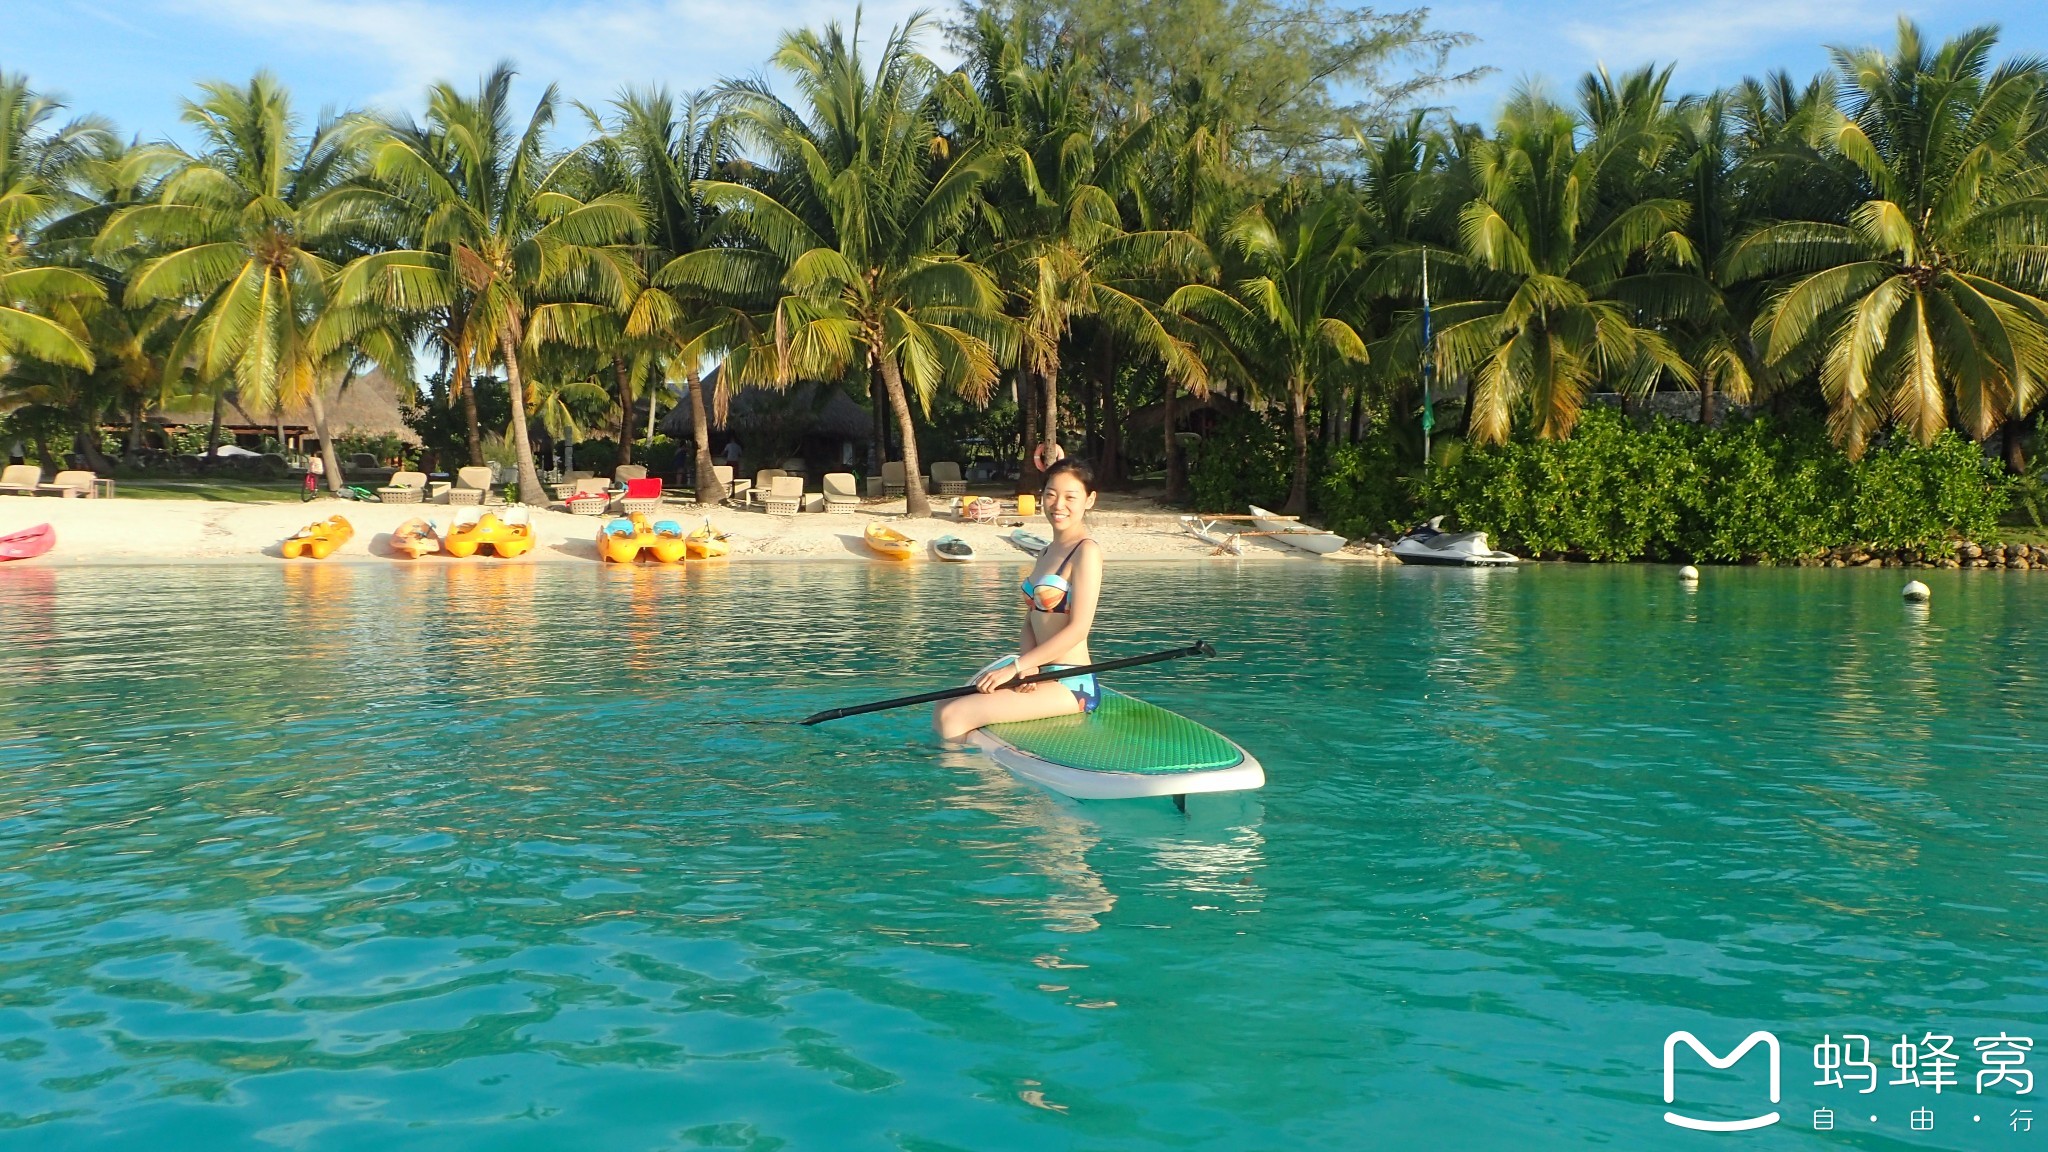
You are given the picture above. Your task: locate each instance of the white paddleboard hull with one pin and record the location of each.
(1084, 784)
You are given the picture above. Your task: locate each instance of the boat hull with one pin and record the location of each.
(28, 543)
(1296, 535)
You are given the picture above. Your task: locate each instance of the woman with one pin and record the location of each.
(1059, 608)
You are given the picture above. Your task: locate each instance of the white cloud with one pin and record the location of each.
(590, 48)
(1720, 32)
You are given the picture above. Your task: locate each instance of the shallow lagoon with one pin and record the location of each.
(335, 858)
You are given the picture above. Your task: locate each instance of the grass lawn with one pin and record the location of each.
(225, 491)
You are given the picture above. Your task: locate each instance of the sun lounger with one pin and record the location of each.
(946, 479)
(20, 480)
(68, 485)
(589, 496)
(642, 495)
(625, 472)
(892, 478)
(840, 495)
(472, 486)
(785, 496)
(764, 480)
(405, 488)
(567, 487)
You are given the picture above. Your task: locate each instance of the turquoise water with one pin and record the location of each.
(338, 858)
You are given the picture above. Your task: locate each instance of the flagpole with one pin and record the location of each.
(1428, 364)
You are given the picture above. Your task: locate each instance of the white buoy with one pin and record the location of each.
(1916, 592)
(1689, 574)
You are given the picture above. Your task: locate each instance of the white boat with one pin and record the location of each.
(1213, 533)
(1293, 532)
(953, 548)
(1430, 544)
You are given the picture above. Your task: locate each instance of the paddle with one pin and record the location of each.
(1198, 648)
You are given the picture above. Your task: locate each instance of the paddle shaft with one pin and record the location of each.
(1198, 648)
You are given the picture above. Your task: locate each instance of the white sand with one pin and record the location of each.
(129, 531)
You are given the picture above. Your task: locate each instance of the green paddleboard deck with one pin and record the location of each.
(1122, 735)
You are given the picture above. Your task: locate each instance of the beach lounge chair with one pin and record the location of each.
(892, 478)
(946, 479)
(567, 485)
(68, 485)
(405, 488)
(642, 496)
(472, 486)
(757, 493)
(588, 496)
(732, 487)
(20, 480)
(785, 496)
(625, 472)
(840, 494)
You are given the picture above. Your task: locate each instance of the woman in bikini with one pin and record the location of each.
(1059, 607)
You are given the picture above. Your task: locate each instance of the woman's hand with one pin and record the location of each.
(995, 678)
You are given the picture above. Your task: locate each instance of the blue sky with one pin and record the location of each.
(133, 59)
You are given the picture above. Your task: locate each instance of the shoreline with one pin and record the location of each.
(120, 532)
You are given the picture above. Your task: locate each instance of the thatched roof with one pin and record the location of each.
(368, 406)
(804, 409)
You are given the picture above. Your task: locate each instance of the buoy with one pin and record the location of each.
(1689, 574)
(1916, 592)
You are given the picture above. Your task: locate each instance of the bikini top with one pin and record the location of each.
(1039, 596)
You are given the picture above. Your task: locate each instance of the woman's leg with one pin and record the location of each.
(957, 717)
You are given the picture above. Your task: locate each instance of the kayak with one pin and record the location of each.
(1124, 749)
(28, 543)
(707, 542)
(889, 543)
(415, 538)
(953, 548)
(1288, 530)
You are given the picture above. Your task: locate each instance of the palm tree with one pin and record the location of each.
(37, 157)
(497, 235)
(1293, 310)
(1934, 292)
(663, 150)
(1557, 292)
(1060, 247)
(858, 227)
(252, 230)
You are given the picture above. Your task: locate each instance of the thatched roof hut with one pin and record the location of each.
(368, 406)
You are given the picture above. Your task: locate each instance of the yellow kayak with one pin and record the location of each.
(414, 538)
(890, 544)
(318, 541)
(670, 545)
(707, 543)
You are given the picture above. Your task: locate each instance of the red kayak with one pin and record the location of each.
(28, 543)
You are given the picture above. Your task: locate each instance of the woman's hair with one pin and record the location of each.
(1076, 468)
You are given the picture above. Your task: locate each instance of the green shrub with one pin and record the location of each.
(1750, 490)
(1246, 460)
(1360, 490)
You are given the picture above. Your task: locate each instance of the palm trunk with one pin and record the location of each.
(328, 459)
(89, 447)
(878, 401)
(625, 411)
(1027, 408)
(1706, 399)
(2015, 450)
(1176, 474)
(1091, 415)
(709, 490)
(220, 399)
(1050, 381)
(1110, 465)
(1297, 493)
(915, 503)
(530, 491)
(135, 428)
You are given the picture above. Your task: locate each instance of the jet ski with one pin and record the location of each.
(1430, 544)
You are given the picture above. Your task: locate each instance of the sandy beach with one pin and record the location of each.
(131, 531)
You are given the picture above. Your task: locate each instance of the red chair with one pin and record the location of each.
(642, 496)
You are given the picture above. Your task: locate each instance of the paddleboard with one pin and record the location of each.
(1027, 542)
(1126, 748)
